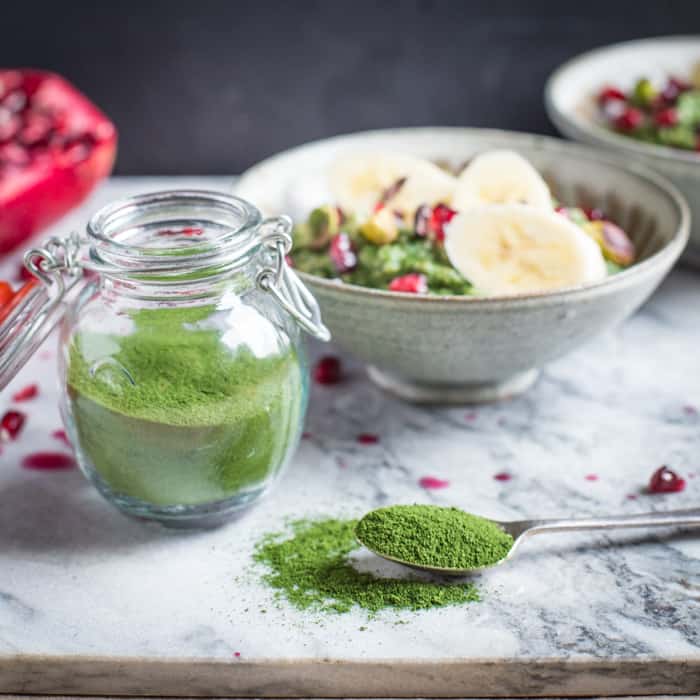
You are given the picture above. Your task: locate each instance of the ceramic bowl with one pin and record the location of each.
(468, 349)
(570, 98)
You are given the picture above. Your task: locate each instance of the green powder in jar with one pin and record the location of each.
(194, 420)
(434, 536)
(311, 568)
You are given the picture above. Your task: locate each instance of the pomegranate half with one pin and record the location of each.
(55, 146)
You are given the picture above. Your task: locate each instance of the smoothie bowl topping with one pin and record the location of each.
(665, 114)
(403, 224)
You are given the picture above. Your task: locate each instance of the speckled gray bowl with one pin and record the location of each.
(467, 349)
(570, 98)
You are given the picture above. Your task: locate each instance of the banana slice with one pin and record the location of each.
(500, 177)
(516, 249)
(359, 181)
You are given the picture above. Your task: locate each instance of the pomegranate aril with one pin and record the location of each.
(328, 370)
(15, 101)
(9, 124)
(665, 480)
(11, 425)
(432, 482)
(30, 391)
(503, 476)
(367, 439)
(342, 253)
(629, 120)
(14, 154)
(666, 117)
(37, 127)
(48, 461)
(10, 80)
(442, 214)
(412, 283)
(610, 93)
(61, 436)
(6, 293)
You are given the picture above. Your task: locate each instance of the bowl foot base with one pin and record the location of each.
(477, 392)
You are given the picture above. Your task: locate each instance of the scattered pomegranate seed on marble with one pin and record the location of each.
(30, 391)
(690, 410)
(48, 461)
(328, 370)
(432, 482)
(665, 480)
(237, 654)
(471, 416)
(61, 436)
(367, 439)
(11, 425)
(591, 477)
(503, 476)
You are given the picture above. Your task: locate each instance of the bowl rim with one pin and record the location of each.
(670, 252)
(586, 130)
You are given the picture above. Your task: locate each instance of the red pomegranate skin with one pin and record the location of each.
(68, 146)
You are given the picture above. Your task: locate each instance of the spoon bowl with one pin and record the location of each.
(519, 530)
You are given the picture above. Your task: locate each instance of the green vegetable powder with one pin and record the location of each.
(312, 570)
(194, 420)
(433, 536)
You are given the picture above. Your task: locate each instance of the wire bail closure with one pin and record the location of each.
(56, 270)
(283, 283)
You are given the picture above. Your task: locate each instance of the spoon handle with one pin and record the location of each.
(659, 519)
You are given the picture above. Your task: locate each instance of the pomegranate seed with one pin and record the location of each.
(412, 283)
(62, 436)
(442, 214)
(503, 476)
(591, 477)
(10, 425)
(666, 117)
(328, 370)
(665, 480)
(690, 410)
(342, 253)
(36, 128)
(629, 120)
(6, 293)
(48, 460)
(76, 150)
(367, 439)
(192, 231)
(237, 654)
(30, 391)
(611, 93)
(471, 416)
(9, 80)
(15, 101)
(432, 482)
(593, 213)
(9, 124)
(14, 154)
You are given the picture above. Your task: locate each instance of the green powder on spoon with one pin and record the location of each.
(446, 538)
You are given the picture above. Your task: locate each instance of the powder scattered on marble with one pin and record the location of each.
(434, 536)
(310, 567)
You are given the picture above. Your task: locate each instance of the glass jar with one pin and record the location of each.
(184, 378)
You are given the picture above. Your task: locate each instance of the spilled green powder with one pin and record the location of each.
(192, 419)
(434, 536)
(311, 568)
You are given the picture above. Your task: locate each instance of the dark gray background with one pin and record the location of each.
(211, 86)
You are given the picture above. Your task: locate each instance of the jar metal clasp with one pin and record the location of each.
(41, 306)
(282, 282)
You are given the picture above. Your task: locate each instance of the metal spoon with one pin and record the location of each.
(521, 529)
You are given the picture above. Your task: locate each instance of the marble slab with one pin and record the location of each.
(94, 603)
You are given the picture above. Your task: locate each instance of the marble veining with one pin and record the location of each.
(79, 580)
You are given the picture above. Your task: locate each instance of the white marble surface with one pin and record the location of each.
(78, 579)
